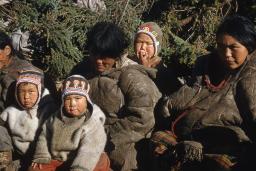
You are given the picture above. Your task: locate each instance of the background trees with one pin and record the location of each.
(57, 28)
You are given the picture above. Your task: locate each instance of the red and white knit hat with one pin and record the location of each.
(155, 33)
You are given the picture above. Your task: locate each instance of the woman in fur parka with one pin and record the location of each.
(214, 123)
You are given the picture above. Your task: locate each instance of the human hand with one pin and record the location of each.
(37, 165)
(144, 58)
(159, 150)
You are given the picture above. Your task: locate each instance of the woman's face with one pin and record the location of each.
(231, 51)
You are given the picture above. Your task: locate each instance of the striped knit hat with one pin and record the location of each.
(33, 77)
(76, 84)
(154, 31)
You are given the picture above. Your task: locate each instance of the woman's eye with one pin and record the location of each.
(234, 47)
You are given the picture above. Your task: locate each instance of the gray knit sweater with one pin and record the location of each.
(80, 140)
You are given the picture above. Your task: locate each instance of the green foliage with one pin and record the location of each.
(58, 28)
(189, 29)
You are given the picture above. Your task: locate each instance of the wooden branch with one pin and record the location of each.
(126, 5)
(186, 20)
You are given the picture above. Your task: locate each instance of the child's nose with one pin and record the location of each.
(26, 95)
(72, 102)
(143, 45)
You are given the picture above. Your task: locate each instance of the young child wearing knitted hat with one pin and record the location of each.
(25, 118)
(147, 44)
(73, 139)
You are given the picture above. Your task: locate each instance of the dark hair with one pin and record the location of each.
(106, 39)
(5, 40)
(241, 28)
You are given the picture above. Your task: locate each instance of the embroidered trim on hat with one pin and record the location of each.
(72, 90)
(29, 79)
(76, 84)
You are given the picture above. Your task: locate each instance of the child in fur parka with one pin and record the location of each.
(147, 48)
(73, 138)
(24, 118)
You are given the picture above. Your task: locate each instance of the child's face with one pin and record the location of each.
(27, 95)
(75, 105)
(144, 47)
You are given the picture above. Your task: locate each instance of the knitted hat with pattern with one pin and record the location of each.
(33, 77)
(155, 33)
(76, 84)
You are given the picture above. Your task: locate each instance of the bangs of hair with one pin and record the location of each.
(241, 29)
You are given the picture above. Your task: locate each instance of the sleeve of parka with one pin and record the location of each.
(42, 154)
(246, 99)
(186, 94)
(141, 96)
(179, 100)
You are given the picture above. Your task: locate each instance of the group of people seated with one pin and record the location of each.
(123, 112)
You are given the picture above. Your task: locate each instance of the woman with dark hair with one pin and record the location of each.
(106, 44)
(213, 120)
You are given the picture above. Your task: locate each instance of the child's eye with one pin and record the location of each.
(142, 42)
(149, 43)
(67, 98)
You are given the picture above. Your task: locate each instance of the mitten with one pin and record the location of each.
(189, 151)
(163, 140)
